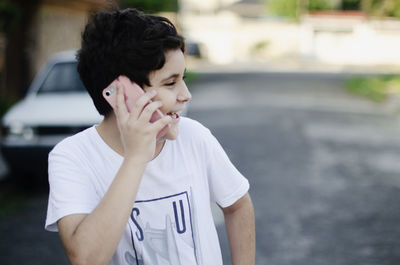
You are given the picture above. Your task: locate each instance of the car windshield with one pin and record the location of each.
(63, 77)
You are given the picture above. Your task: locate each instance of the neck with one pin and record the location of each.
(109, 132)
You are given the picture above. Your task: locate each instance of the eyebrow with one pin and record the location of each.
(172, 76)
(169, 77)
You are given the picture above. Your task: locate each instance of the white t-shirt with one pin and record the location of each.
(171, 221)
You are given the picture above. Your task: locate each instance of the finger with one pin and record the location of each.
(161, 123)
(148, 111)
(120, 108)
(141, 103)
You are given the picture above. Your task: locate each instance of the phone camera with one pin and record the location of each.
(110, 91)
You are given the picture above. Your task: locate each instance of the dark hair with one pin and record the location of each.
(123, 42)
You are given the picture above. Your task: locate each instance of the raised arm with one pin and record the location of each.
(93, 238)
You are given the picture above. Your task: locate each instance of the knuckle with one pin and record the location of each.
(138, 103)
(151, 107)
(145, 97)
(148, 110)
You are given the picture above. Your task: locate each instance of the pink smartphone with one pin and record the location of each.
(132, 92)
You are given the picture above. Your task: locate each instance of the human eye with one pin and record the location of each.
(170, 83)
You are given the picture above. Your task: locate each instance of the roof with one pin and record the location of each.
(69, 55)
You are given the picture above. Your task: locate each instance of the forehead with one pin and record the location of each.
(174, 64)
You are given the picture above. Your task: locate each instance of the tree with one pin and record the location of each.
(383, 8)
(16, 19)
(352, 4)
(9, 15)
(152, 6)
(380, 8)
(294, 8)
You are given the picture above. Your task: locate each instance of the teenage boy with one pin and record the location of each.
(131, 191)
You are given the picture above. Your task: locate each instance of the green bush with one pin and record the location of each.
(290, 8)
(284, 8)
(5, 104)
(375, 88)
(190, 77)
(320, 5)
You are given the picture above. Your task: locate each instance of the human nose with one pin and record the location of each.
(184, 94)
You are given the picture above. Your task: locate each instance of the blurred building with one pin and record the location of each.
(40, 28)
(350, 38)
(233, 31)
(58, 26)
(204, 6)
(240, 31)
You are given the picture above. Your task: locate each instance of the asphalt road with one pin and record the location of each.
(322, 164)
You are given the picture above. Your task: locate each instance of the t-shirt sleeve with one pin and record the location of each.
(226, 183)
(71, 190)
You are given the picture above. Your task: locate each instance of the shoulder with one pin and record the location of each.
(74, 153)
(193, 134)
(74, 143)
(189, 128)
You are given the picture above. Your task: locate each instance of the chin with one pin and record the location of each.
(172, 133)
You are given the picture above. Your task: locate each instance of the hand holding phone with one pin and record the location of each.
(132, 92)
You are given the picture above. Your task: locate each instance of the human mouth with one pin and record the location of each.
(173, 115)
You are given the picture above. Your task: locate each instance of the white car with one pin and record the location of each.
(56, 106)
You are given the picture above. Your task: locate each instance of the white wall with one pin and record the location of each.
(57, 29)
(365, 43)
(204, 6)
(228, 38)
